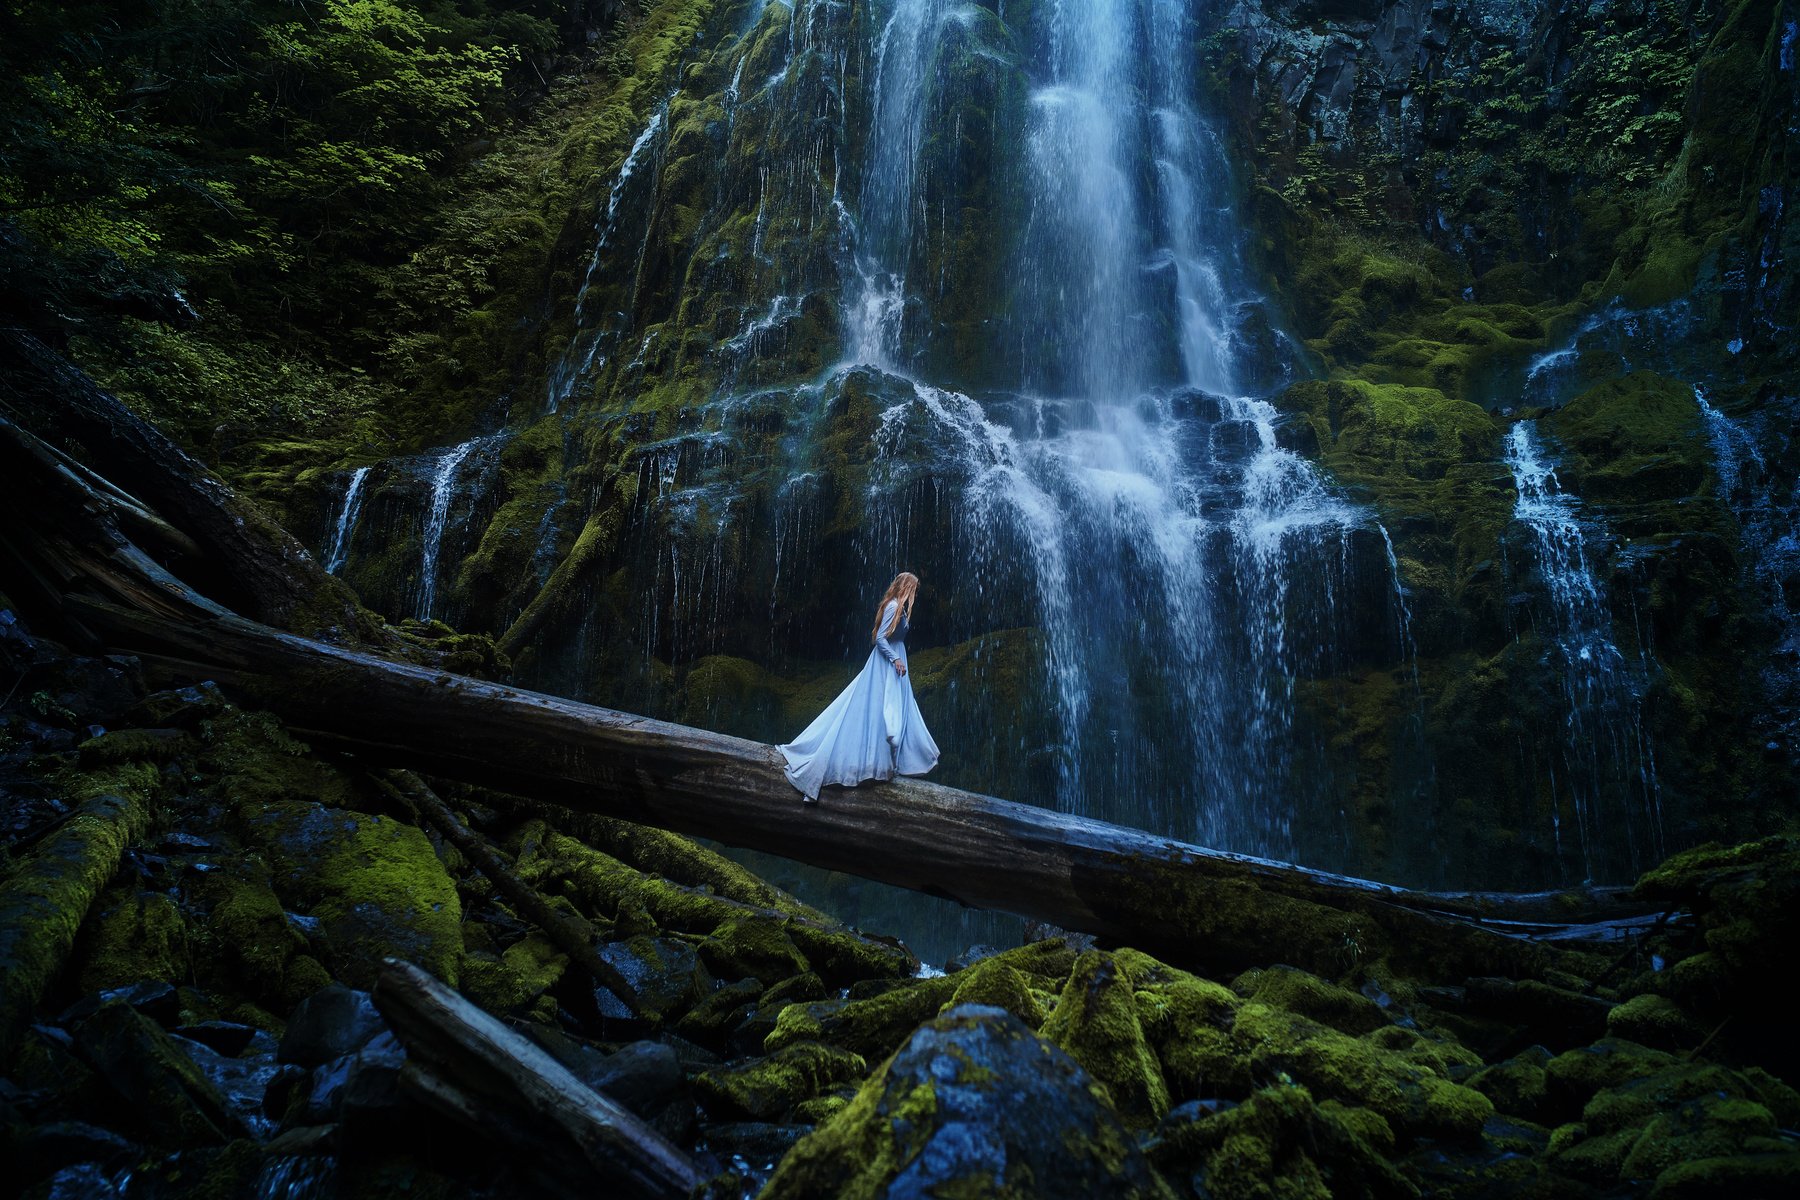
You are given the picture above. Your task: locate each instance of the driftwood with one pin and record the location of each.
(471, 1066)
(1186, 902)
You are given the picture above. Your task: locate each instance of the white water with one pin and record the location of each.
(1608, 779)
(583, 353)
(443, 486)
(338, 553)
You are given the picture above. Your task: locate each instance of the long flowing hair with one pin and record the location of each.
(904, 588)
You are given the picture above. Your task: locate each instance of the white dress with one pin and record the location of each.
(873, 729)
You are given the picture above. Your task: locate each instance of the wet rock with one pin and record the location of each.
(973, 1102)
(83, 1181)
(223, 1037)
(756, 1145)
(643, 1076)
(46, 1149)
(332, 1022)
(161, 1088)
(370, 1100)
(182, 708)
(659, 971)
(155, 999)
(242, 1081)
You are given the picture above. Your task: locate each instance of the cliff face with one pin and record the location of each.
(1500, 297)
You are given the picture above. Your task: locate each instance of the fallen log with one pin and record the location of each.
(485, 1066)
(45, 899)
(1187, 903)
(1183, 901)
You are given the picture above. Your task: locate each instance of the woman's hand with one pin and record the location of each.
(900, 668)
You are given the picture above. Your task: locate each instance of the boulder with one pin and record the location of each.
(972, 1103)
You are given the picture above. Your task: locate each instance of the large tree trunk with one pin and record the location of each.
(1188, 903)
(245, 559)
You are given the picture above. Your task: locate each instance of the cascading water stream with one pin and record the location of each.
(1609, 775)
(338, 553)
(444, 468)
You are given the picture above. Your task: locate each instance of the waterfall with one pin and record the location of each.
(444, 468)
(1147, 508)
(338, 553)
(1609, 775)
(583, 351)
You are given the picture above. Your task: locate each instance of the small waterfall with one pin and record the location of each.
(583, 351)
(296, 1177)
(1732, 446)
(444, 469)
(1608, 774)
(338, 553)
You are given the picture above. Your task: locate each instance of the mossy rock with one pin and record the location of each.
(258, 763)
(1310, 996)
(1731, 1177)
(753, 947)
(375, 884)
(161, 1088)
(253, 947)
(771, 1088)
(516, 980)
(1709, 1126)
(1096, 1021)
(972, 1104)
(1281, 1145)
(1577, 1076)
(1415, 1100)
(1517, 1086)
(871, 1027)
(1633, 439)
(131, 936)
(998, 984)
(1653, 1020)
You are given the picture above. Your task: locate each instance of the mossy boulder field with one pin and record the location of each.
(1350, 455)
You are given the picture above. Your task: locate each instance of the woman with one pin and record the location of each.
(873, 729)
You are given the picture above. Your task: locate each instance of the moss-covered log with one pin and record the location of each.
(45, 900)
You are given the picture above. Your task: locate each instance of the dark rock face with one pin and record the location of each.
(973, 1103)
(330, 1023)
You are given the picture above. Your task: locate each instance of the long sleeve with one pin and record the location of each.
(881, 642)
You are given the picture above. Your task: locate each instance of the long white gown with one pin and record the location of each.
(873, 729)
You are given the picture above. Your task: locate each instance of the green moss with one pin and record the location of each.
(133, 745)
(1653, 1020)
(752, 948)
(873, 1027)
(252, 945)
(1310, 996)
(47, 896)
(769, 1089)
(1517, 1086)
(1280, 1145)
(1412, 1098)
(1096, 1021)
(999, 984)
(132, 936)
(1730, 1177)
(514, 981)
(256, 762)
(375, 884)
(1575, 1077)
